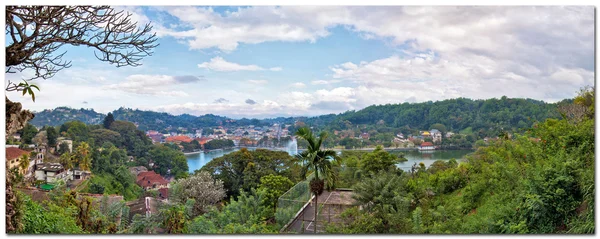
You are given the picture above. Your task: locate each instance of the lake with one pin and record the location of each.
(429, 157)
(196, 161)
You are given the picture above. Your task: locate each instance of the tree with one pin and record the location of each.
(83, 157)
(52, 136)
(317, 161)
(378, 160)
(24, 163)
(274, 186)
(243, 169)
(66, 159)
(201, 187)
(439, 127)
(63, 148)
(102, 136)
(35, 33)
(28, 133)
(166, 158)
(108, 120)
(40, 138)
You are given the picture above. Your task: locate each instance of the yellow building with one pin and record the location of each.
(13, 157)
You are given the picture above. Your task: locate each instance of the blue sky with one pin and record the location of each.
(283, 61)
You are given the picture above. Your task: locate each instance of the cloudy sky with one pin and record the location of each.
(284, 61)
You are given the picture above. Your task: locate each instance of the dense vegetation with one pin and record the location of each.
(61, 115)
(242, 170)
(539, 182)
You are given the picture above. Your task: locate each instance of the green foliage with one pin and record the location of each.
(121, 183)
(108, 159)
(102, 136)
(165, 158)
(245, 215)
(218, 144)
(541, 182)
(243, 169)
(108, 120)
(378, 160)
(51, 220)
(274, 186)
(52, 135)
(77, 131)
(29, 131)
(133, 140)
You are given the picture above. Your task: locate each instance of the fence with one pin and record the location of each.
(292, 201)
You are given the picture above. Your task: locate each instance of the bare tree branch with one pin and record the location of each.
(35, 33)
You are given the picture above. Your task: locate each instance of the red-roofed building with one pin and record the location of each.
(150, 180)
(163, 194)
(203, 140)
(426, 146)
(13, 157)
(178, 139)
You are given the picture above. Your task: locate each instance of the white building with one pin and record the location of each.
(52, 172)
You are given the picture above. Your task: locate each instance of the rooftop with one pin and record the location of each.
(49, 167)
(13, 153)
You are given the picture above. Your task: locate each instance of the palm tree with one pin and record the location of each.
(83, 154)
(66, 160)
(318, 162)
(24, 163)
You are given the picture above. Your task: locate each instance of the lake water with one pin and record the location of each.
(429, 157)
(196, 161)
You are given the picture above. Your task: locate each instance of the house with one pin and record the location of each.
(400, 135)
(449, 134)
(13, 157)
(163, 194)
(426, 146)
(426, 134)
(364, 136)
(150, 180)
(436, 135)
(137, 170)
(178, 139)
(62, 140)
(51, 172)
(79, 174)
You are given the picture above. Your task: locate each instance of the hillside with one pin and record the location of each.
(509, 114)
(61, 115)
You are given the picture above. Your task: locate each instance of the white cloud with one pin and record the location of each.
(154, 84)
(483, 46)
(324, 82)
(299, 85)
(258, 82)
(220, 64)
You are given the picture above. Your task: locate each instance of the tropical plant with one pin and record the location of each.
(319, 162)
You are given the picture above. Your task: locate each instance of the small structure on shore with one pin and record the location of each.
(426, 146)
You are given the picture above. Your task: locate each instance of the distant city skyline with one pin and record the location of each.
(265, 62)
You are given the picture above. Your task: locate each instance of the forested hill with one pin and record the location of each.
(61, 115)
(455, 114)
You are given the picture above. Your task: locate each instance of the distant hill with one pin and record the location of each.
(455, 114)
(61, 115)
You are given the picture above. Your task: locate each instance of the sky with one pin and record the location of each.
(269, 61)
